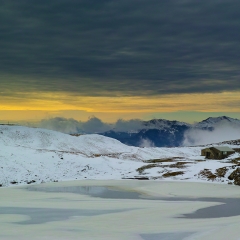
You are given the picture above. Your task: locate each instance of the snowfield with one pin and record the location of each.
(32, 155)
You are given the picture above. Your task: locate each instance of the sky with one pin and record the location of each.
(128, 59)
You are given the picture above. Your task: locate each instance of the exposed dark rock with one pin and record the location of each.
(237, 181)
(235, 175)
(138, 178)
(13, 182)
(221, 172)
(179, 164)
(207, 174)
(143, 168)
(173, 159)
(29, 182)
(172, 174)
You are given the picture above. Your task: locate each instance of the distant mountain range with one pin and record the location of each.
(165, 133)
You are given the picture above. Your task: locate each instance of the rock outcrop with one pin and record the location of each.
(235, 175)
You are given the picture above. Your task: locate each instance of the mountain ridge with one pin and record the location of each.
(166, 133)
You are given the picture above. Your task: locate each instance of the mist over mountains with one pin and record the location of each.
(213, 130)
(153, 133)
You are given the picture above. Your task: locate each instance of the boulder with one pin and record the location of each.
(235, 175)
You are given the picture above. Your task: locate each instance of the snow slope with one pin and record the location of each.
(32, 155)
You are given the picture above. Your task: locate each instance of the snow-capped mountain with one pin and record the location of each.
(211, 122)
(165, 133)
(162, 124)
(156, 132)
(32, 155)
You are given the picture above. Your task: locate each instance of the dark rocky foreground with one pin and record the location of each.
(235, 176)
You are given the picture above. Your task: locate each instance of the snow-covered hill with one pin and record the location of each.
(32, 155)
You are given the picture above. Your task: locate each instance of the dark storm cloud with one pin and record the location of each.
(131, 47)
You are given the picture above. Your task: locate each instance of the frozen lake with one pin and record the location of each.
(144, 210)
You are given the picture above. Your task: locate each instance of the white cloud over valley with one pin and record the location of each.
(222, 132)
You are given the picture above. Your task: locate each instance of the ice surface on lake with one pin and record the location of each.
(133, 219)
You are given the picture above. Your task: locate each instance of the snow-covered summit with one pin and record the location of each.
(162, 124)
(212, 122)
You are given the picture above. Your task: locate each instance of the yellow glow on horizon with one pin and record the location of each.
(57, 102)
(167, 103)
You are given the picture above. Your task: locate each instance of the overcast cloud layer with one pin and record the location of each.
(127, 47)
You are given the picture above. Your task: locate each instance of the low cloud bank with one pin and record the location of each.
(92, 125)
(146, 143)
(222, 132)
(61, 125)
